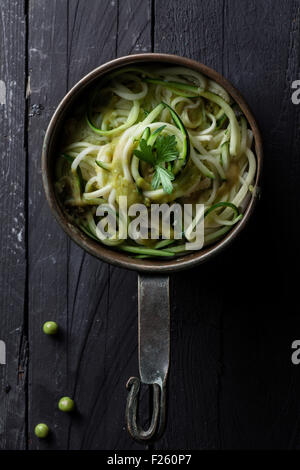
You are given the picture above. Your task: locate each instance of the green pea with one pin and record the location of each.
(41, 430)
(66, 404)
(50, 328)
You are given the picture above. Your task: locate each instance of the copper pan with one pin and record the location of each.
(154, 341)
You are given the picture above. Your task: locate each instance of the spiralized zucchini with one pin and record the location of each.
(138, 110)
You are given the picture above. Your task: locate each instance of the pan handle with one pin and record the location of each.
(154, 354)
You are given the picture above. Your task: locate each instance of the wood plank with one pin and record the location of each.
(48, 248)
(191, 29)
(258, 399)
(196, 314)
(95, 305)
(134, 27)
(13, 226)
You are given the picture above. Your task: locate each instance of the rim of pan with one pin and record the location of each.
(101, 251)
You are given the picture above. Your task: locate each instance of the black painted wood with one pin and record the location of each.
(13, 226)
(231, 383)
(48, 248)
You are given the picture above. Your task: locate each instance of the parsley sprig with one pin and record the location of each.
(164, 150)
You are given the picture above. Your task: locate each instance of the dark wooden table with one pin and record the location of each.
(232, 384)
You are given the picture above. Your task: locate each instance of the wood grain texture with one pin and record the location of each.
(134, 27)
(48, 248)
(12, 228)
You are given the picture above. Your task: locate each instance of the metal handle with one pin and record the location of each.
(154, 353)
(158, 419)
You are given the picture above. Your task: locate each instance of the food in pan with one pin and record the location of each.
(167, 136)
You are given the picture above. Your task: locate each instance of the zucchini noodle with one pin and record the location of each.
(136, 108)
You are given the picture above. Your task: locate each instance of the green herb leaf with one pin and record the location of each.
(145, 153)
(155, 180)
(164, 177)
(166, 148)
(163, 150)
